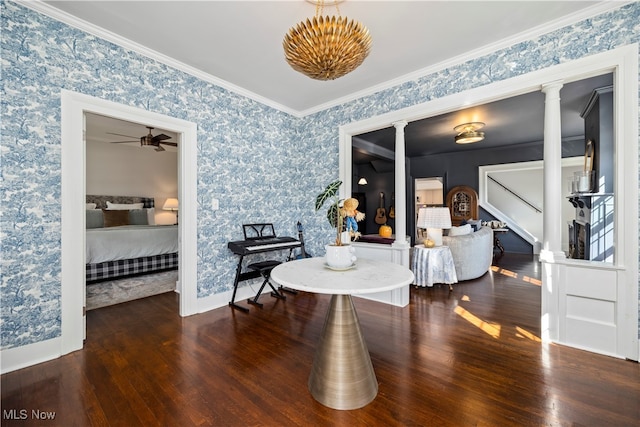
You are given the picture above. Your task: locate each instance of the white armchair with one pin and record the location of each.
(472, 253)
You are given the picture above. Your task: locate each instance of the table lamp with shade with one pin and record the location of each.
(434, 220)
(171, 204)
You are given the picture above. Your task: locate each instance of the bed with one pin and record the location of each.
(122, 239)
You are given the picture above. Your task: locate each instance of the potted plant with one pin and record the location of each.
(333, 213)
(340, 254)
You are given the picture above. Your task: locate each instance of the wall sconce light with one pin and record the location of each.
(362, 181)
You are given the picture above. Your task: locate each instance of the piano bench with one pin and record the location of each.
(264, 268)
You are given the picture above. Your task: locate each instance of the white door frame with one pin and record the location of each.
(74, 105)
(623, 62)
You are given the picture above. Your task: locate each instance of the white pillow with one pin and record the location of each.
(151, 216)
(460, 231)
(91, 206)
(123, 206)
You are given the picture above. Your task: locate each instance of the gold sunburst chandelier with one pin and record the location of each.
(326, 48)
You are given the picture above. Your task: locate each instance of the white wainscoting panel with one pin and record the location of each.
(589, 308)
(376, 251)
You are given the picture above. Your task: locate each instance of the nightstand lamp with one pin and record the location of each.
(434, 220)
(171, 204)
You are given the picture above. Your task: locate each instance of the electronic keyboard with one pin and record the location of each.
(258, 238)
(254, 246)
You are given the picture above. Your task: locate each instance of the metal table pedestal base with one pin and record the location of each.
(342, 375)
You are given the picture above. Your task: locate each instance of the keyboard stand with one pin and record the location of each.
(259, 238)
(287, 290)
(240, 277)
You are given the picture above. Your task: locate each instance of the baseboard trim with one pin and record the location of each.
(222, 299)
(12, 359)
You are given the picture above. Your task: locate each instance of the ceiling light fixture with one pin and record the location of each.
(468, 133)
(326, 48)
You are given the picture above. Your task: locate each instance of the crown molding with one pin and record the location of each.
(597, 9)
(59, 15)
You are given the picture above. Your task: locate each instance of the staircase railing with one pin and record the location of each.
(525, 201)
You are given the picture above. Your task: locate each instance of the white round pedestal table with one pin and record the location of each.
(342, 375)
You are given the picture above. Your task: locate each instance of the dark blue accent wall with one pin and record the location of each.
(462, 169)
(458, 169)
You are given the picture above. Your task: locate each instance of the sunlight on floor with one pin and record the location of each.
(491, 329)
(531, 280)
(523, 333)
(513, 275)
(504, 272)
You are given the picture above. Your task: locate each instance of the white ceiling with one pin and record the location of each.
(238, 44)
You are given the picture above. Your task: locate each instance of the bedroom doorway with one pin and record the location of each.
(74, 108)
(119, 169)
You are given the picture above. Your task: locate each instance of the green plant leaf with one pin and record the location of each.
(328, 192)
(332, 215)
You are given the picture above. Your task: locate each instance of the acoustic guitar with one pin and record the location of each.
(392, 208)
(381, 213)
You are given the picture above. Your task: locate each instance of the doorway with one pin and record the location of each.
(74, 107)
(428, 192)
(122, 170)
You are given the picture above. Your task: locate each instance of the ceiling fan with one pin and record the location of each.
(148, 140)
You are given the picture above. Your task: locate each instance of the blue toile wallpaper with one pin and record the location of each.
(263, 164)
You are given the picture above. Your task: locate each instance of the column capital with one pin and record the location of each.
(552, 86)
(400, 124)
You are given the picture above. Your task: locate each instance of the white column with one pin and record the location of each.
(400, 187)
(400, 248)
(552, 216)
(550, 327)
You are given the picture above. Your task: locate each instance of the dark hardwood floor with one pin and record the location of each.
(470, 357)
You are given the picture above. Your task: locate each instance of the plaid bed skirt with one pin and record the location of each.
(128, 267)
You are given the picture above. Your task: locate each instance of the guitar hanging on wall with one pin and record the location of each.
(381, 213)
(392, 208)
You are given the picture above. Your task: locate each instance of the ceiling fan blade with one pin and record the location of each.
(173, 144)
(119, 134)
(161, 137)
(120, 142)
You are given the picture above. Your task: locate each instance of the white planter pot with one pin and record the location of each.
(340, 256)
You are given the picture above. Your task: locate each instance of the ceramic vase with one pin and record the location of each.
(340, 256)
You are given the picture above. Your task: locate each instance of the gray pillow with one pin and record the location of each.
(95, 218)
(138, 217)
